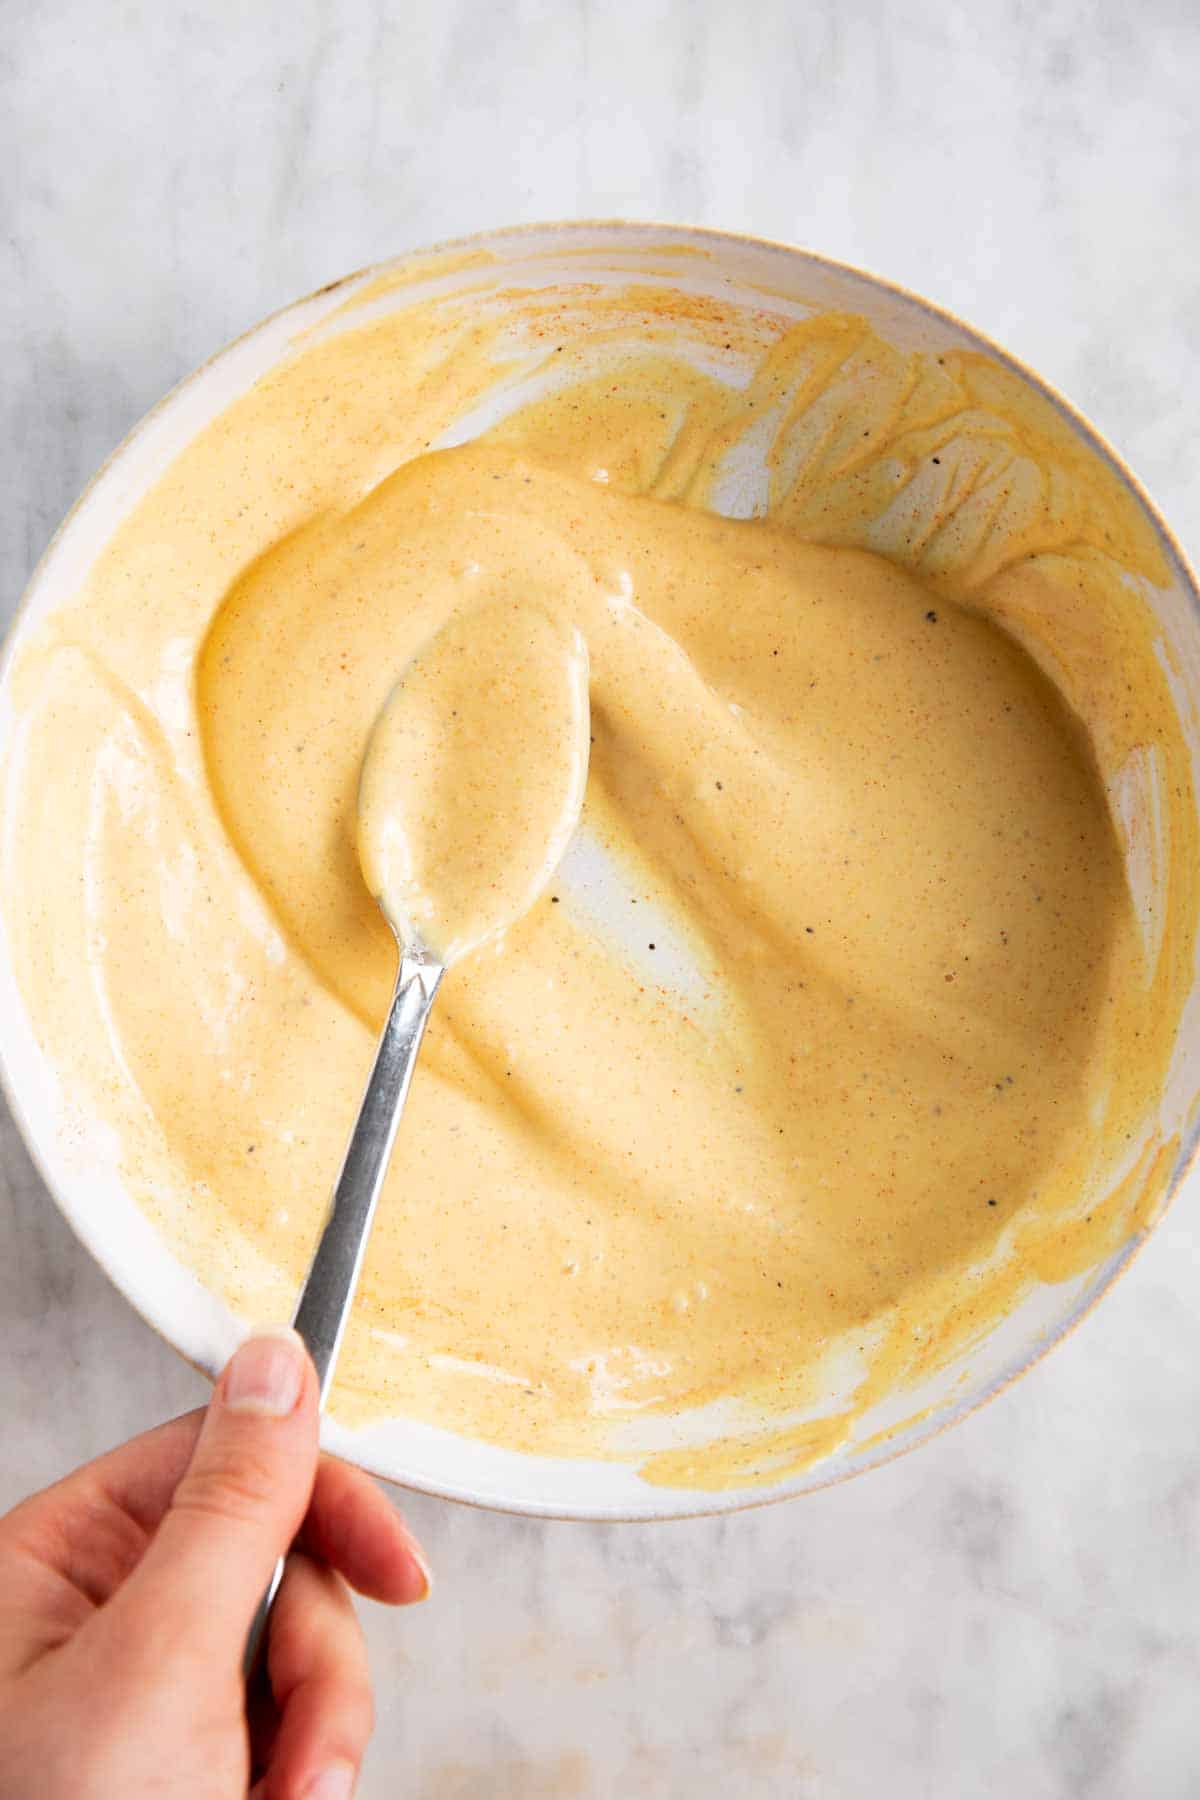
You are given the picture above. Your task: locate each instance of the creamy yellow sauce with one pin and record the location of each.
(845, 1017)
(473, 777)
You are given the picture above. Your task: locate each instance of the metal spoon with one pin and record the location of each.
(460, 714)
(328, 1291)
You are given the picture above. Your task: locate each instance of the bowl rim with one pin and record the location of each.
(625, 233)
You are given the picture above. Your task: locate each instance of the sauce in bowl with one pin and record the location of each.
(845, 1017)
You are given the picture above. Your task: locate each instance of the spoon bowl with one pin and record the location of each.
(474, 777)
(471, 788)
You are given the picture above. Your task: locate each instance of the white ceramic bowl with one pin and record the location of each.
(104, 1215)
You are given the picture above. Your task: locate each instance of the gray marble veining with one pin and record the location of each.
(1013, 1609)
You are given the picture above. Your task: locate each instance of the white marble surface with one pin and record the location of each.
(1014, 1608)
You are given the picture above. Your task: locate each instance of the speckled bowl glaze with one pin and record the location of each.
(103, 1213)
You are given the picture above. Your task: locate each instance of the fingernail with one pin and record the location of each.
(334, 1783)
(266, 1376)
(418, 1556)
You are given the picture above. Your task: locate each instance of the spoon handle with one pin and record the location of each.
(328, 1291)
(325, 1298)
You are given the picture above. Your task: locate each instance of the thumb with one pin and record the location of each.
(242, 1498)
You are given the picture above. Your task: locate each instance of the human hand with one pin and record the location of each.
(127, 1591)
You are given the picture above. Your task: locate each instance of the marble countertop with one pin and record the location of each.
(1013, 1609)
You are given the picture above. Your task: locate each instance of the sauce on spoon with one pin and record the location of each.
(474, 777)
